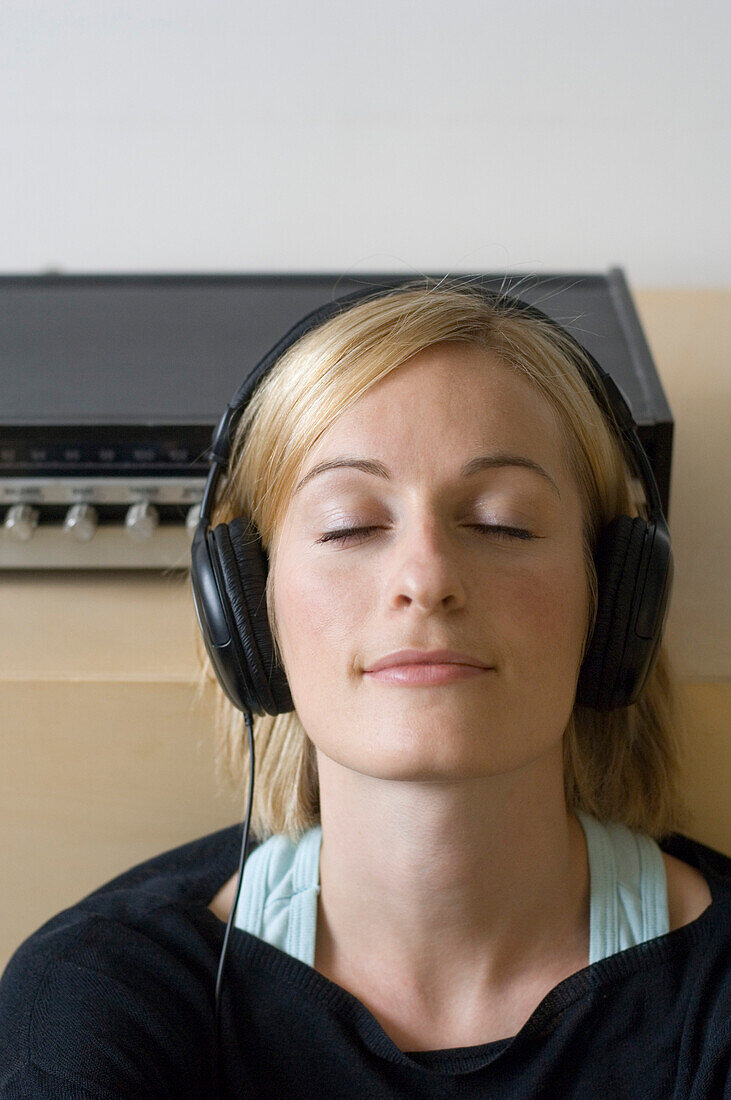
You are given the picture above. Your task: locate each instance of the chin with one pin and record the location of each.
(421, 757)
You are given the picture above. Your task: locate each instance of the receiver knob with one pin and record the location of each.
(142, 519)
(81, 521)
(192, 518)
(21, 521)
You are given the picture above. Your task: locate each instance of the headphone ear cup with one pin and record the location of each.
(244, 567)
(604, 680)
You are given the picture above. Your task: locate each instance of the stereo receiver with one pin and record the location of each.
(113, 384)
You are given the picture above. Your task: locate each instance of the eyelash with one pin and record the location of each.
(360, 533)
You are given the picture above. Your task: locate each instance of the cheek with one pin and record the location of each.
(319, 622)
(316, 613)
(547, 614)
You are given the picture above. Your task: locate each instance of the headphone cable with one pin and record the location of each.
(242, 858)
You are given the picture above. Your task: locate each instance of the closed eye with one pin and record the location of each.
(500, 531)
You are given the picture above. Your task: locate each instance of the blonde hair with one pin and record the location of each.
(623, 765)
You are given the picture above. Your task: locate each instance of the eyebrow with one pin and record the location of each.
(474, 466)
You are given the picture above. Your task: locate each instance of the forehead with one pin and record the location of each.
(445, 404)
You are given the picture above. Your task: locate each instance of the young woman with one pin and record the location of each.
(467, 877)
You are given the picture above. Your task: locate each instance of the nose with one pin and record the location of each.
(424, 570)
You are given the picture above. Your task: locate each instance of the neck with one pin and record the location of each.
(465, 883)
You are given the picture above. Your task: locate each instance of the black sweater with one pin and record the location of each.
(114, 998)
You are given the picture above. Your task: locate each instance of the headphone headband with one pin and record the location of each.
(601, 384)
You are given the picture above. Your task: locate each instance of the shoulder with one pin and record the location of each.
(689, 894)
(88, 1000)
(119, 981)
(698, 876)
(91, 943)
(151, 909)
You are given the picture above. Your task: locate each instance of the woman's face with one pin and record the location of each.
(464, 545)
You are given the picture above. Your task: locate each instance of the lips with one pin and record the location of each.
(426, 657)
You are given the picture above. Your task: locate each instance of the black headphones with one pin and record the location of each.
(633, 556)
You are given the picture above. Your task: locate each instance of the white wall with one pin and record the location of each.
(381, 135)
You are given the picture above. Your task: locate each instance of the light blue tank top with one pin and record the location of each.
(629, 897)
